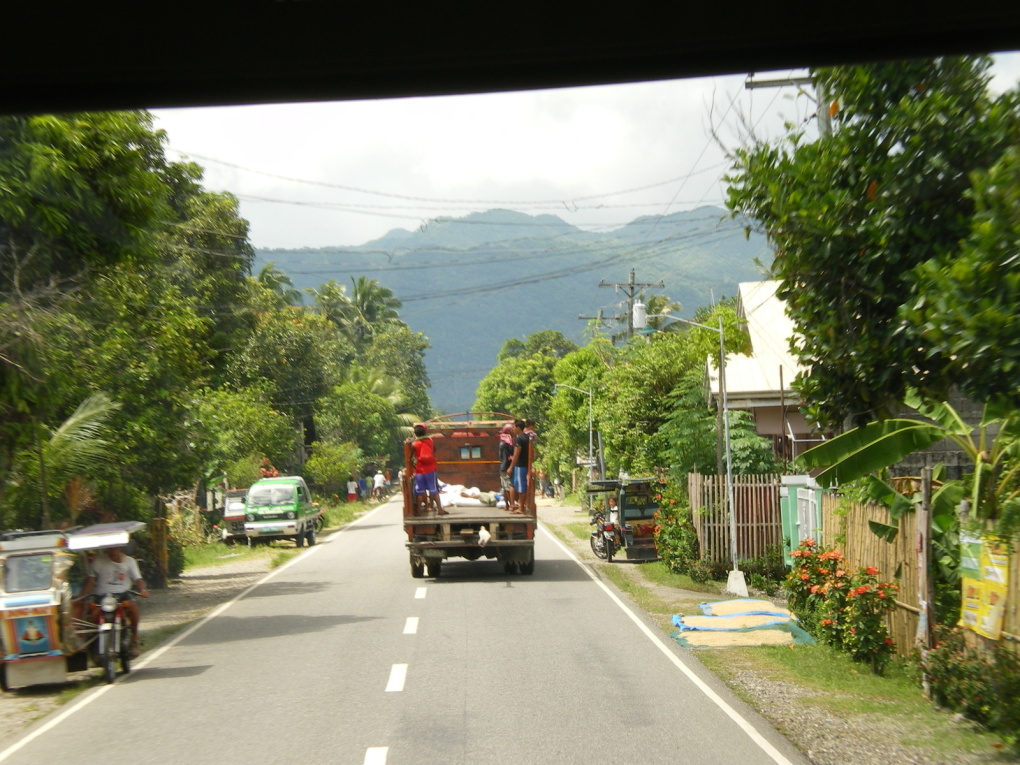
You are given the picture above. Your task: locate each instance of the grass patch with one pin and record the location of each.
(219, 553)
(641, 595)
(658, 572)
(846, 689)
(580, 530)
(338, 515)
(281, 556)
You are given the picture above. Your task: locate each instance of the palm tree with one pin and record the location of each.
(372, 304)
(331, 301)
(277, 282)
(72, 451)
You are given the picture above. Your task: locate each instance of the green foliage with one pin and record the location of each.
(766, 572)
(853, 214)
(243, 471)
(352, 413)
(992, 489)
(145, 554)
(332, 463)
(400, 353)
(841, 607)
(751, 453)
(675, 537)
(521, 383)
(233, 425)
(966, 304)
(983, 684)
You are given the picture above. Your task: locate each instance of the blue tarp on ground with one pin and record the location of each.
(733, 607)
(695, 638)
(729, 622)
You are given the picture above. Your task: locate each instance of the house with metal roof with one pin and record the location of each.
(761, 382)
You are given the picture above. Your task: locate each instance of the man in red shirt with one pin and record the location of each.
(426, 483)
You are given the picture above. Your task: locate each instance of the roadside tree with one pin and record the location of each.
(852, 214)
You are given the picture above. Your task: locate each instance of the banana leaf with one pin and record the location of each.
(864, 450)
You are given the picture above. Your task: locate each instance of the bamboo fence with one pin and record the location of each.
(845, 527)
(756, 513)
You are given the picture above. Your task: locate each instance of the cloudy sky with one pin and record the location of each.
(344, 173)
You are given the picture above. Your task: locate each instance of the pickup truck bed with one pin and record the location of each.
(467, 455)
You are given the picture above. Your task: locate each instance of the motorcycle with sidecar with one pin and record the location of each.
(630, 525)
(43, 635)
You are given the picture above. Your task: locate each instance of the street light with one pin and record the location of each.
(591, 446)
(736, 583)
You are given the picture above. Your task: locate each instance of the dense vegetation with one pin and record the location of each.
(140, 356)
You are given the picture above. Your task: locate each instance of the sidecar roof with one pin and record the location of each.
(102, 535)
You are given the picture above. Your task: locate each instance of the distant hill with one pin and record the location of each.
(471, 283)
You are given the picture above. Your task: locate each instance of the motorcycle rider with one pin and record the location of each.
(112, 572)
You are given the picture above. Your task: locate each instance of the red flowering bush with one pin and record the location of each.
(675, 537)
(843, 608)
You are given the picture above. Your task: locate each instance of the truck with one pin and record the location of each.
(232, 525)
(467, 455)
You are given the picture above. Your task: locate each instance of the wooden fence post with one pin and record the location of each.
(924, 582)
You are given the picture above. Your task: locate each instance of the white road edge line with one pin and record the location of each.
(398, 676)
(411, 625)
(150, 657)
(376, 755)
(763, 743)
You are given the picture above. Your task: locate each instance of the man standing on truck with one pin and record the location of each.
(506, 453)
(520, 468)
(426, 483)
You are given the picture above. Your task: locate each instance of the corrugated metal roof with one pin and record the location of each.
(757, 377)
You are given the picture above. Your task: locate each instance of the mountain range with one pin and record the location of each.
(471, 283)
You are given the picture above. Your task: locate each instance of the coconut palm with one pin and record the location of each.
(69, 454)
(277, 282)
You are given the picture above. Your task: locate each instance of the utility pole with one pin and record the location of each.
(630, 289)
(821, 100)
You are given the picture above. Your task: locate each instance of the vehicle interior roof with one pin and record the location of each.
(192, 54)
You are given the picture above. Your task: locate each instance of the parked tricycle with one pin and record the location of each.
(41, 636)
(625, 517)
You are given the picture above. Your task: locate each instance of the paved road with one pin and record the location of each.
(342, 657)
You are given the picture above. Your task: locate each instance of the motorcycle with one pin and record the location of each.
(113, 637)
(43, 633)
(604, 541)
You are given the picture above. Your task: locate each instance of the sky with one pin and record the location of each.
(345, 173)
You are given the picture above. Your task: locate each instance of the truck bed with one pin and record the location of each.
(483, 514)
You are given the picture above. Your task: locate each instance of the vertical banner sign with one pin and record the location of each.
(984, 570)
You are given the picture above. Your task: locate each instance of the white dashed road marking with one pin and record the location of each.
(398, 674)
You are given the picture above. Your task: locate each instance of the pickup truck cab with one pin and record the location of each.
(280, 508)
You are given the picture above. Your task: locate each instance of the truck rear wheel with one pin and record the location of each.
(417, 568)
(434, 567)
(527, 567)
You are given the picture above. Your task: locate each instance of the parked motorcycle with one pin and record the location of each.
(603, 536)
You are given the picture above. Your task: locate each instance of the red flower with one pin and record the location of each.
(871, 570)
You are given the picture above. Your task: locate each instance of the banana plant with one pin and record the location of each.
(993, 447)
